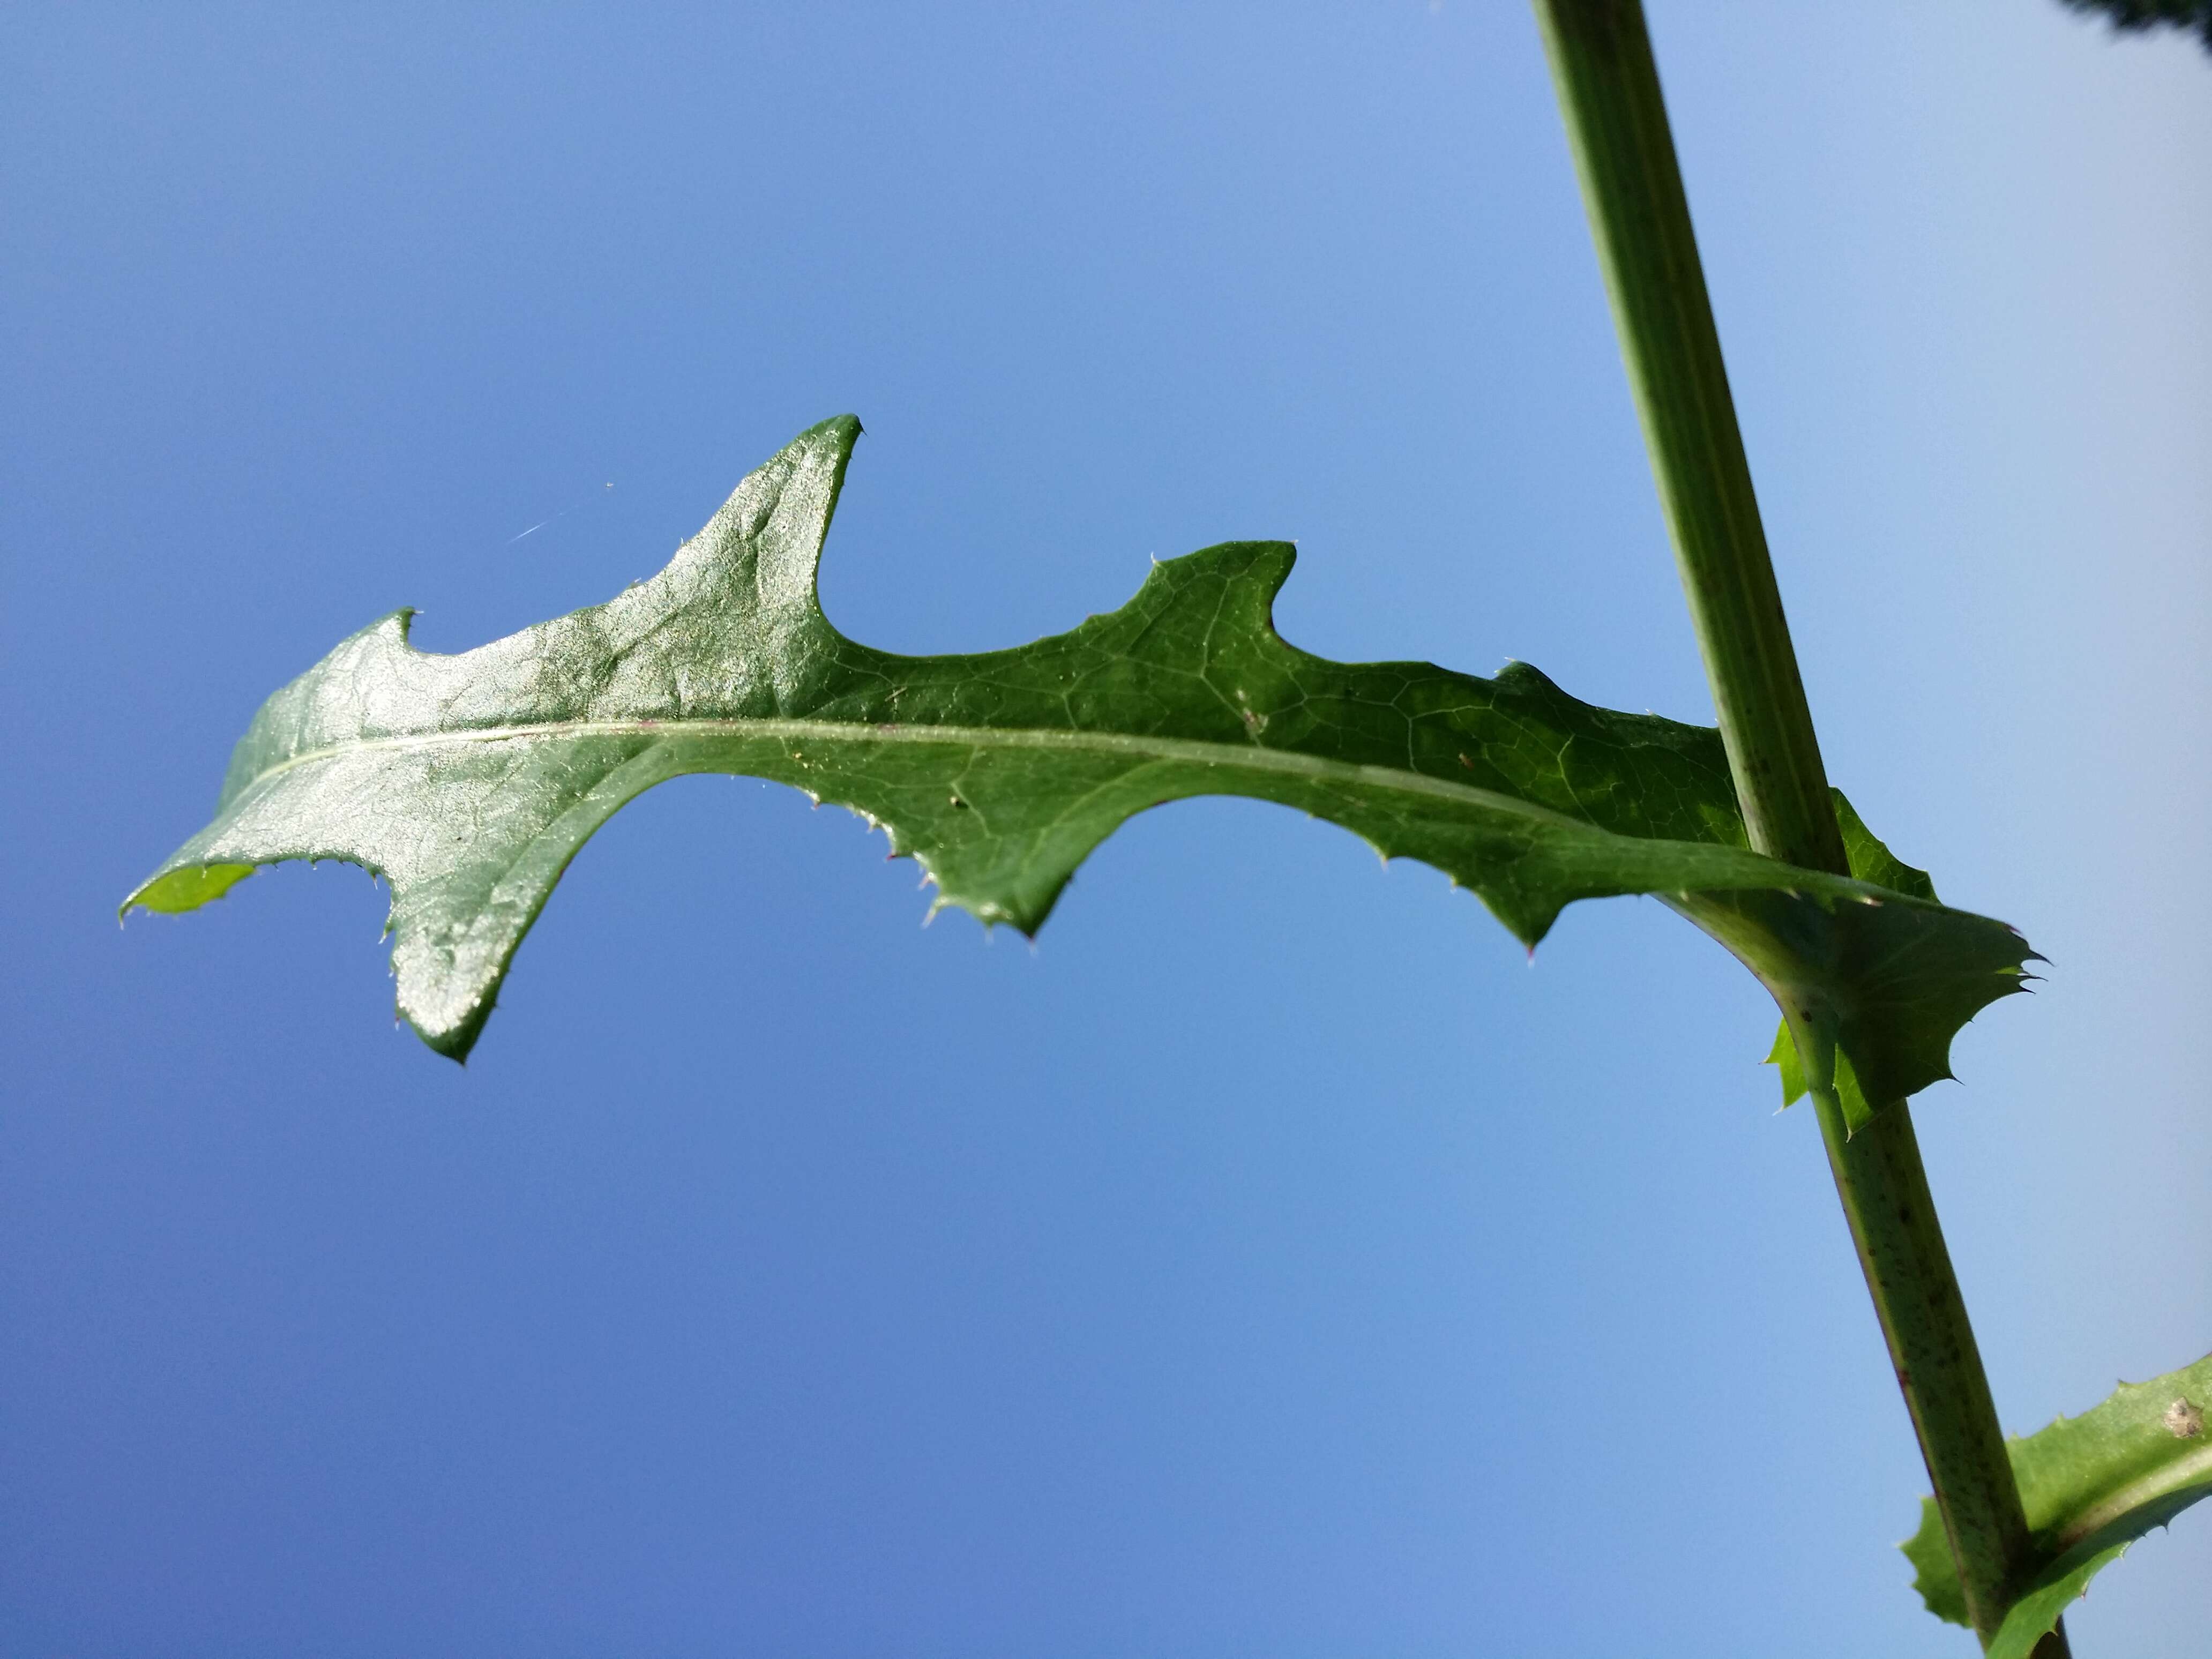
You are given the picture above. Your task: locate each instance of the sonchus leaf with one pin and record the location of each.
(1872, 862)
(2092, 1484)
(470, 780)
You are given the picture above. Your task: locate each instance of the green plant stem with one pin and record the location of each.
(1608, 88)
(1884, 1188)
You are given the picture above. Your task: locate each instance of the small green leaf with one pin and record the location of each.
(1782, 1056)
(470, 780)
(2092, 1484)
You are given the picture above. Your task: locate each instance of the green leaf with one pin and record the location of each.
(470, 780)
(2092, 1484)
(1871, 861)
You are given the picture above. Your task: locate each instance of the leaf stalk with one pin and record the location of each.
(1616, 117)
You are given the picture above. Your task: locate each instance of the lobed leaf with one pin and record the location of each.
(2092, 1484)
(470, 780)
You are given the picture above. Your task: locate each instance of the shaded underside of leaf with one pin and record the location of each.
(2091, 1485)
(470, 780)
(1925, 1014)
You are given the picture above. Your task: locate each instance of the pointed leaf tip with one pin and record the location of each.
(184, 888)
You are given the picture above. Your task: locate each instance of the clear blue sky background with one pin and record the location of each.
(1270, 1261)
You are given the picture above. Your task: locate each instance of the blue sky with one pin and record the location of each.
(1270, 1261)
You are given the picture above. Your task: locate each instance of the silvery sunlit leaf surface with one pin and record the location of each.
(470, 780)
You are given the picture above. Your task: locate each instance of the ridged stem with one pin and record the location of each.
(1608, 88)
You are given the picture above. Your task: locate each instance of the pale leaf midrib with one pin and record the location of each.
(1255, 758)
(2195, 1468)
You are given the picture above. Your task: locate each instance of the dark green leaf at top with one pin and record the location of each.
(2128, 15)
(470, 780)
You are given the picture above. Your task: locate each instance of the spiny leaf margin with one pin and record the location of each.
(1831, 1071)
(2091, 1485)
(470, 780)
